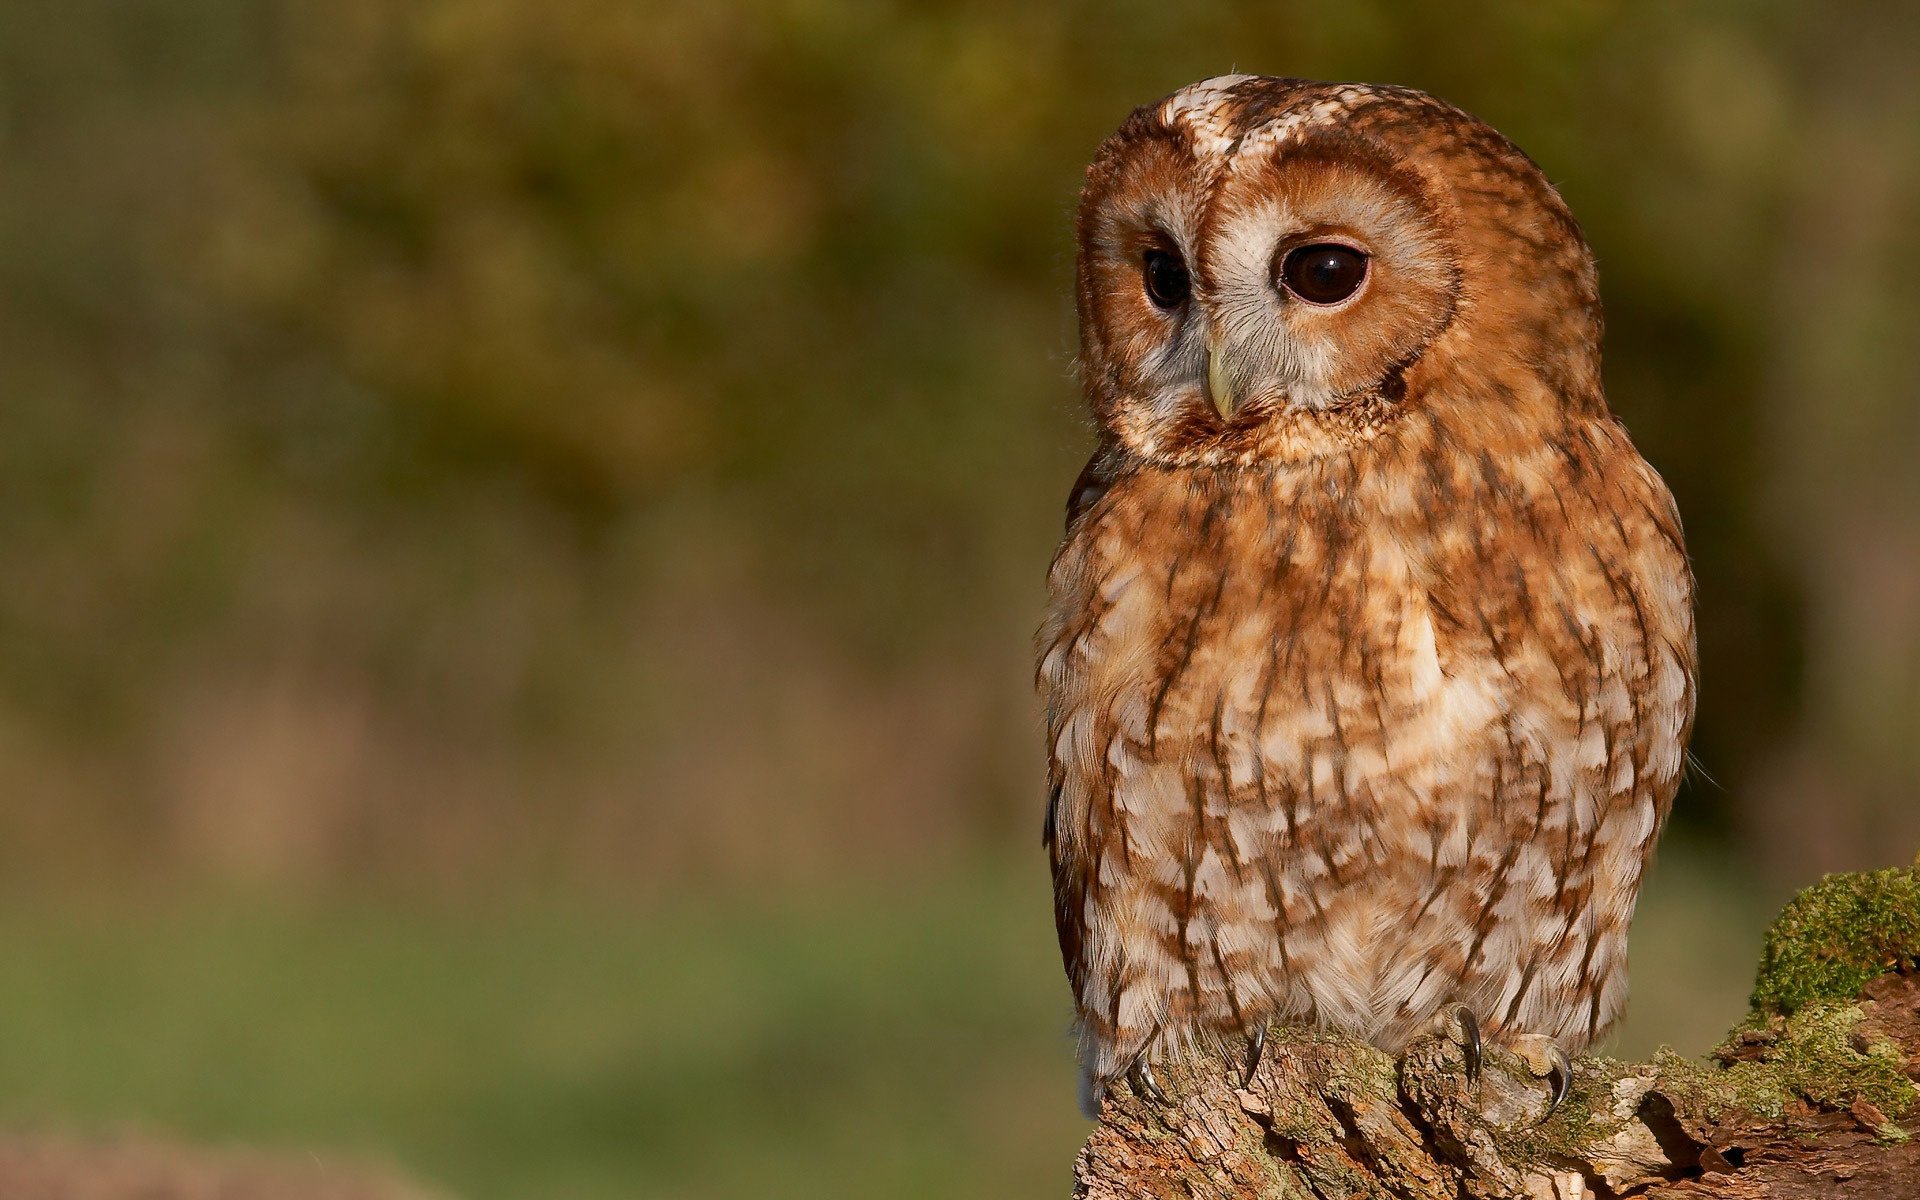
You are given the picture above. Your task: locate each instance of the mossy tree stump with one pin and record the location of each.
(1813, 1095)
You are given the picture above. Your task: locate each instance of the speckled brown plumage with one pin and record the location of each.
(1370, 658)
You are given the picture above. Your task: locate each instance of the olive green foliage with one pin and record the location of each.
(1835, 936)
(837, 1050)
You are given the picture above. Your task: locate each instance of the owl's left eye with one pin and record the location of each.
(1166, 279)
(1323, 273)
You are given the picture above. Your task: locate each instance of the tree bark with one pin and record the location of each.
(1812, 1097)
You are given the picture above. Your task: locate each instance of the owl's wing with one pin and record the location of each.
(1094, 480)
(1069, 895)
(1103, 468)
(1088, 487)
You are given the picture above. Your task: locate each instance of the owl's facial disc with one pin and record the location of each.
(1236, 281)
(1272, 268)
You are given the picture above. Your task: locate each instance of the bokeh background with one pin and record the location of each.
(523, 523)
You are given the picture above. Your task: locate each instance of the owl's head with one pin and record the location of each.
(1271, 269)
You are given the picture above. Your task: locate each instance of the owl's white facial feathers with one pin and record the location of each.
(1205, 109)
(1268, 356)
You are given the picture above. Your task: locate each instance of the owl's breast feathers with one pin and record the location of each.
(1356, 737)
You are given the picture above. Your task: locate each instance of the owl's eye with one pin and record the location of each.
(1323, 273)
(1166, 279)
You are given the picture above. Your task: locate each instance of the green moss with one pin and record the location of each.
(1814, 1055)
(1757, 1087)
(1818, 1059)
(1833, 938)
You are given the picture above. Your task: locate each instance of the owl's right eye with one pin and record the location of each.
(1166, 279)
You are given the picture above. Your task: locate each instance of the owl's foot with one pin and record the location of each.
(1443, 1062)
(1140, 1078)
(1547, 1061)
(1449, 1069)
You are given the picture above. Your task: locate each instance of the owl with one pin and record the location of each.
(1369, 659)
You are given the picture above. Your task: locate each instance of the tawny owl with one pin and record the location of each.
(1370, 660)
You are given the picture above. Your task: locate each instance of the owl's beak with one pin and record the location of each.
(1219, 380)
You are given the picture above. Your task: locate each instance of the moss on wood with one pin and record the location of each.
(1834, 937)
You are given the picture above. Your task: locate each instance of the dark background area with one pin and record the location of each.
(524, 523)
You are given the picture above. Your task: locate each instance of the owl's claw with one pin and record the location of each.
(1256, 1046)
(1547, 1061)
(1560, 1079)
(1140, 1077)
(1467, 1036)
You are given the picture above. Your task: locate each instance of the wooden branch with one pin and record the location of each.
(1812, 1096)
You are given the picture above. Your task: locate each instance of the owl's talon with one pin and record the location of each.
(1546, 1061)
(1469, 1039)
(1140, 1077)
(1256, 1046)
(1559, 1080)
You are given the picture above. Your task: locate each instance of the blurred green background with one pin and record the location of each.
(524, 519)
